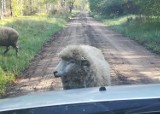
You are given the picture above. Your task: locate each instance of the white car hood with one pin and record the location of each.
(73, 96)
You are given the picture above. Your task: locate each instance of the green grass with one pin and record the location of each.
(34, 32)
(145, 32)
(5, 79)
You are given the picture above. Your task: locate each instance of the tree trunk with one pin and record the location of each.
(21, 2)
(47, 7)
(71, 5)
(1, 10)
(39, 7)
(11, 8)
(4, 6)
(0, 13)
(30, 6)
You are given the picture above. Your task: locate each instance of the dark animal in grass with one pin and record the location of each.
(82, 66)
(9, 37)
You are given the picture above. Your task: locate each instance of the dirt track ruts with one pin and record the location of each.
(130, 63)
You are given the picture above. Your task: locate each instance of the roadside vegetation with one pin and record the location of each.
(138, 20)
(34, 32)
(36, 24)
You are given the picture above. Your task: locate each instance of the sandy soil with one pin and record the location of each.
(130, 63)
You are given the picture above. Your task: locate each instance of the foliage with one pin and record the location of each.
(81, 4)
(30, 7)
(149, 7)
(122, 7)
(16, 7)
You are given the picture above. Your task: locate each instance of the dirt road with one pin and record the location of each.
(130, 63)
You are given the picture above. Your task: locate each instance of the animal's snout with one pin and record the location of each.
(56, 74)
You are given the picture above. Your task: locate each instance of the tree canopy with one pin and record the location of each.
(121, 7)
(29, 7)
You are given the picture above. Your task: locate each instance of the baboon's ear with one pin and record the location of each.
(85, 63)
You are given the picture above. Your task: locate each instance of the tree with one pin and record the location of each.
(4, 6)
(71, 5)
(30, 7)
(1, 10)
(11, 8)
(16, 7)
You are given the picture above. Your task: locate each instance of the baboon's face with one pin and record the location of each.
(68, 67)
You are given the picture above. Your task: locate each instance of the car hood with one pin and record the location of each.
(85, 95)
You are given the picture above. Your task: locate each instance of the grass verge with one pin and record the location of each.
(5, 79)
